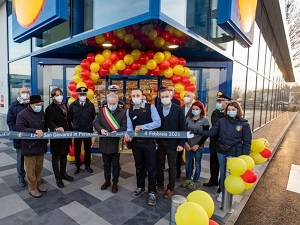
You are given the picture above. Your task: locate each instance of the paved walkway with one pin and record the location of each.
(82, 201)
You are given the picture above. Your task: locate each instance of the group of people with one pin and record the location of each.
(150, 154)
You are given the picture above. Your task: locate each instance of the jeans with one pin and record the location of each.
(222, 161)
(20, 164)
(87, 151)
(114, 161)
(189, 164)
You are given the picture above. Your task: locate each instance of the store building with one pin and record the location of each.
(249, 61)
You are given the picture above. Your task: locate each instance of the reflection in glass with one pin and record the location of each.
(258, 101)
(250, 97)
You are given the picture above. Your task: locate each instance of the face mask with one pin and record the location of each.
(37, 108)
(166, 101)
(187, 99)
(196, 112)
(231, 113)
(82, 98)
(219, 106)
(112, 107)
(25, 96)
(59, 99)
(136, 101)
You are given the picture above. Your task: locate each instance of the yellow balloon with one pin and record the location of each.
(90, 94)
(71, 158)
(134, 73)
(159, 42)
(178, 33)
(258, 159)
(80, 84)
(266, 143)
(71, 100)
(100, 39)
(136, 54)
(178, 69)
(159, 57)
(186, 72)
(190, 213)
(94, 76)
(76, 78)
(248, 186)
(136, 44)
(128, 59)
(151, 64)
(167, 55)
(182, 94)
(92, 100)
(120, 65)
(143, 70)
(248, 160)
(113, 69)
(168, 73)
(152, 35)
(170, 29)
(236, 166)
(193, 79)
(264, 159)
(106, 54)
(129, 38)
(121, 33)
(78, 69)
(178, 88)
(234, 184)
(204, 200)
(257, 145)
(94, 67)
(99, 59)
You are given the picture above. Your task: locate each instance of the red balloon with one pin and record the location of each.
(114, 40)
(175, 79)
(88, 82)
(164, 65)
(85, 74)
(90, 57)
(174, 40)
(91, 41)
(136, 65)
(137, 33)
(155, 72)
(103, 72)
(121, 72)
(249, 176)
(185, 80)
(150, 54)
(121, 53)
(165, 35)
(114, 57)
(128, 70)
(72, 86)
(173, 60)
(144, 39)
(182, 61)
(190, 87)
(85, 64)
(81, 158)
(74, 94)
(106, 64)
(144, 59)
(212, 222)
(129, 29)
(108, 35)
(176, 95)
(266, 153)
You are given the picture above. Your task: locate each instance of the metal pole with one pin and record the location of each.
(177, 200)
(227, 198)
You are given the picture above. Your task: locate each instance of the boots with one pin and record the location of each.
(106, 184)
(114, 187)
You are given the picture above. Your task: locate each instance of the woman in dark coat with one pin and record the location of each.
(57, 120)
(111, 118)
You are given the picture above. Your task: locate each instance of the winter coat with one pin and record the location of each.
(110, 145)
(232, 132)
(82, 117)
(30, 121)
(11, 119)
(215, 116)
(56, 118)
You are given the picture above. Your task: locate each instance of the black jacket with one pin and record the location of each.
(82, 117)
(189, 113)
(215, 116)
(11, 119)
(177, 122)
(30, 121)
(56, 118)
(110, 145)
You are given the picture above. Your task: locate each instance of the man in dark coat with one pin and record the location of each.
(82, 114)
(32, 120)
(111, 119)
(172, 119)
(57, 119)
(13, 111)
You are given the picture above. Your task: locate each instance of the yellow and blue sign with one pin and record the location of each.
(32, 17)
(237, 17)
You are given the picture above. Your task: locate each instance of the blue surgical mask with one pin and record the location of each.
(231, 113)
(219, 106)
(196, 112)
(37, 108)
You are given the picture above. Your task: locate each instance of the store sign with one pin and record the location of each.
(30, 18)
(237, 18)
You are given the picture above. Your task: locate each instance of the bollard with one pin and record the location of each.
(227, 198)
(177, 200)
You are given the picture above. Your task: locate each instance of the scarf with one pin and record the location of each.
(22, 101)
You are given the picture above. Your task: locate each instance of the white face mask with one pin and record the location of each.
(187, 100)
(166, 101)
(112, 107)
(25, 96)
(82, 98)
(136, 101)
(59, 99)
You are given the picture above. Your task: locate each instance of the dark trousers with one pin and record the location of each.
(59, 164)
(20, 163)
(214, 168)
(163, 151)
(87, 151)
(179, 163)
(114, 161)
(144, 153)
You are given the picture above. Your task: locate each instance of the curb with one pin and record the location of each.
(237, 211)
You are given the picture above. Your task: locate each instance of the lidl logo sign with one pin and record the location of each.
(32, 17)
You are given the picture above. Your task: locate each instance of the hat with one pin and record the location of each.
(198, 104)
(35, 99)
(222, 97)
(82, 90)
(113, 87)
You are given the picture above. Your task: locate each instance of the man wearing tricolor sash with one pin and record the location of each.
(111, 118)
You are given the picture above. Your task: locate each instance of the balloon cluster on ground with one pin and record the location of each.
(197, 210)
(142, 37)
(135, 62)
(241, 177)
(259, 150)
(71, 155)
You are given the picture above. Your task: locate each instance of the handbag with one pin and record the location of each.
(222, 148)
